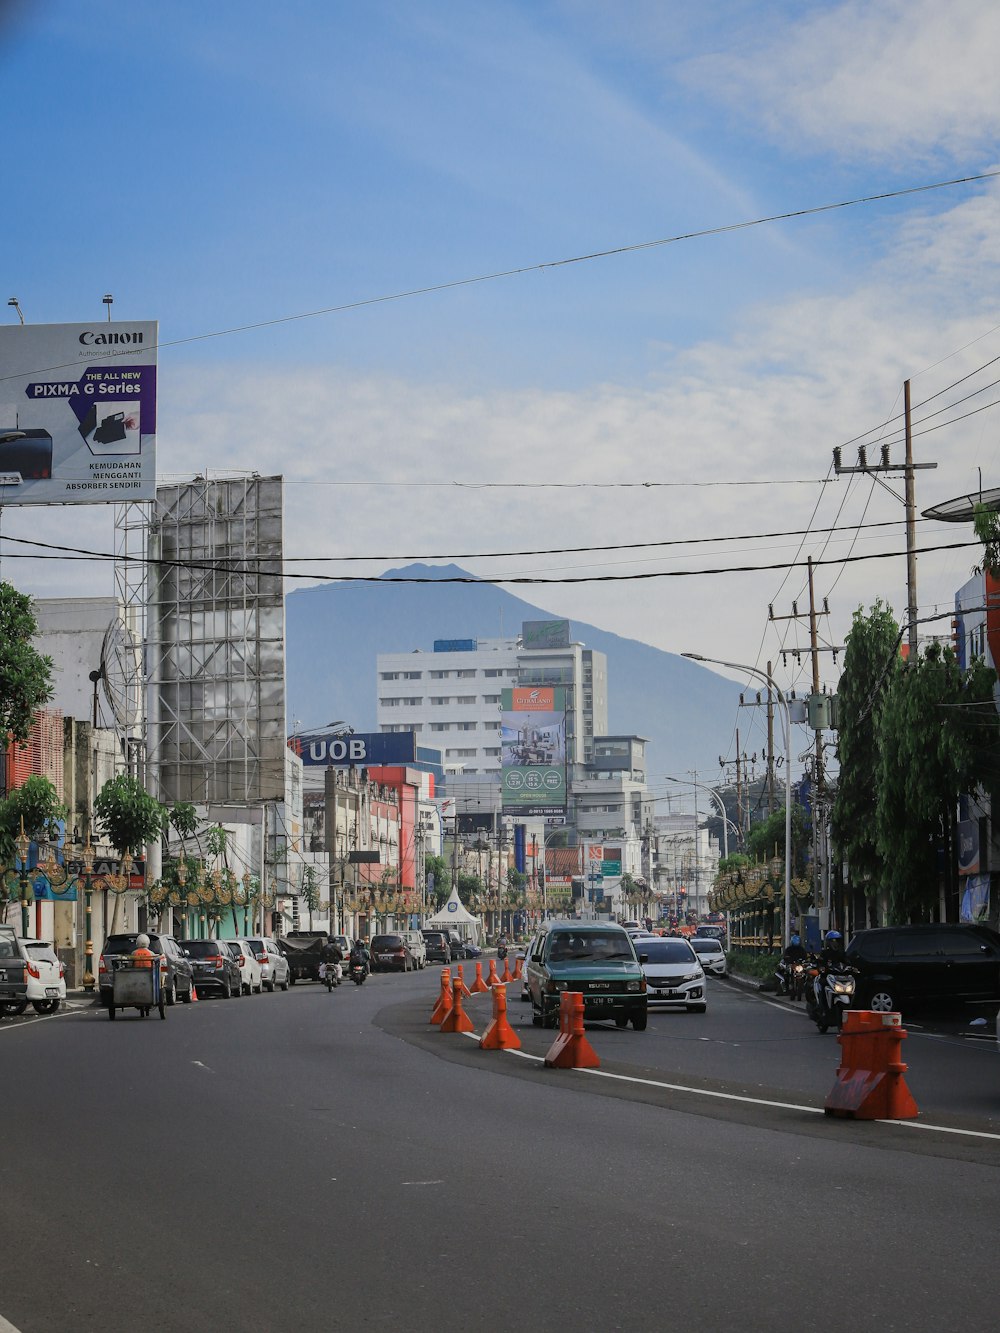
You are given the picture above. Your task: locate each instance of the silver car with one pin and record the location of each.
(273, 964)
(711, 955)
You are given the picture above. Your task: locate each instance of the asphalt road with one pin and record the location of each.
(315, 1160)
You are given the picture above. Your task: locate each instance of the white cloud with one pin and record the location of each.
(902, 78)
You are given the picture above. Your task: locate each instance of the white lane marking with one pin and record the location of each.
(201, 1066)
(42, 1018)
(5, 1326)
(751, 1101)
(421, 1182)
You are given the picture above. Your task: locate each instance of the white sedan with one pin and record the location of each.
(46, 976)
(674, 977)
(711, 955)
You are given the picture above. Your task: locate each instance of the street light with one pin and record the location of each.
(769, 680)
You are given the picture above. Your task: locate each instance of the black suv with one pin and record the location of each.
(900, 967)
(179, 971)
(438, 948)
(214, 966)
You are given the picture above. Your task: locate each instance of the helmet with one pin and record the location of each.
(142, 941)
(832, 935)
(795, 940)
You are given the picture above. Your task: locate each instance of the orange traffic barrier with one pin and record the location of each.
(506, 975)
(456, 1019)
(465, 989)
(491, 977)
(518, 968)
(443, 1005)
(500, 1036)
(479, 985)
(870, 1083)
(194, 993)
(571, 1049)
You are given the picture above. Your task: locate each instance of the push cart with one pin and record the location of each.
(136, 985)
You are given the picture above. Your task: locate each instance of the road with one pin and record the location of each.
(312, 1159)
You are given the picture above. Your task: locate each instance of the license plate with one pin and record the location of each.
(52, 992)
(599, 999)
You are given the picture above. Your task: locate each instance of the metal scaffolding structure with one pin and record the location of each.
(215, 642)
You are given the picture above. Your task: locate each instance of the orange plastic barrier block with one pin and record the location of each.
(465, 989)
(571, 1049)
(870, 1083)
(491, 977)
(457, 1020)
(479, 986)
(443, 1006)
(518, 969)
(506, 974)
(500, 1036)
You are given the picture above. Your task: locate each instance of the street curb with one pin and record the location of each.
(752, 983)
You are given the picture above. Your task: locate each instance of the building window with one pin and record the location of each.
(491, 673)
(440, 675)
(491, 698)
(388, 703)
(460, 754)
(388, 675)
(466, 699)
(443, 699)
(413, 702)
(413, 675)
(466, 675)
(492, 751)
(465, 726)
(440, 726)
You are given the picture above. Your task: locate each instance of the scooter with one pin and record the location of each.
(791, 977)
(829, 994)
(358, 973)
(331, 975)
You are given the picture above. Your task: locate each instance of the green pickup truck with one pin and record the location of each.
(595, 958)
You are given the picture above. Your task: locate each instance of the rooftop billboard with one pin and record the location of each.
(78, 413)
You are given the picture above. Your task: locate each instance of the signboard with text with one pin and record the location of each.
(533, 750)
(78, 412)
(374, 749)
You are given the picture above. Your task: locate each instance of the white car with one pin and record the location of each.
(273, 963)
(674, 976)
(251, 981)
(711, 955)
(46, 976)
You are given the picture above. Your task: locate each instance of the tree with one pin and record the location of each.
(468, 886)
(37, 804)
(441, 871)
(871, 658)
(128, 815)
(25, 674)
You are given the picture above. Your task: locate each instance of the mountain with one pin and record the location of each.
(334, 631)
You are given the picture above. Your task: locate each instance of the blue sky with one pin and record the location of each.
(227, 164)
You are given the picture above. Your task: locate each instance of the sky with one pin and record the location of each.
(271, 185)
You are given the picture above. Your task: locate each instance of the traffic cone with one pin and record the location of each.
(479, 985)
(461, 979)
(492, 979)
(443, 1006)
(518, 968)
(456, 1019)
(500, 1036)
(194, 993)
(506, 975)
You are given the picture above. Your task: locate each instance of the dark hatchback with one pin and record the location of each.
(178, 980)
(390, 954)
(905, 967)
(215, 968)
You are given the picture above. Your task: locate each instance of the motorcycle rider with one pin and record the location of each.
(502, 946)
(795, 952)
(831, 958)
(331, 956)
(360, 955)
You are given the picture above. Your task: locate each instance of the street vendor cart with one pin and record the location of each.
(137, 984)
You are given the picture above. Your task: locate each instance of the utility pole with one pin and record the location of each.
(907, 499)
(770, 745)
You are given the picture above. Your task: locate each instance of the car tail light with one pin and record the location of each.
(219, 964)
(33, 971)
(103, 965)
(62, 970)
(242, 961)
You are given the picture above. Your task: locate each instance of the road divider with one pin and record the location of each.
(870, 1083)
(499, 1035)
(571, 1049)
(444, 1001)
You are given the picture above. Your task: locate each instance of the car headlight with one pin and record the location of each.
(692, 976)
(633, 986)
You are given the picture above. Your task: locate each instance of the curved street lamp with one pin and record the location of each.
(770, 682)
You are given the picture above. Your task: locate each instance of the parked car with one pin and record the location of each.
(390, 954)
(215, 968)
(900, 967)
(13, 973)
(177, 985)
(343, 943)
(524, 953)
(675, 978)
(711, 955)
(274, 970)
(438, 948)
(250, 973)
(595, 958)
(46, 976)
(417, 946)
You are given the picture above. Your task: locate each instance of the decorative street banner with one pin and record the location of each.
(533, 750)
(77, 413)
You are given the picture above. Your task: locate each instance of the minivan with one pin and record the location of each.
(902, 966)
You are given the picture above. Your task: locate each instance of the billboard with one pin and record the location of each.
(545, 634)
(78, 412)
(374, 749)
(533, 750)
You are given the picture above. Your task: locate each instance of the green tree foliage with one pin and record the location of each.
(310, 889)
(25, 674)
(37, 803)
(468, 887)
(937, 735)
(987, 526)
(767, 839)
(871, 657)
(128, 815)
(441, 870)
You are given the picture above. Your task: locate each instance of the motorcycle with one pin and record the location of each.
(330, 975)
(790, 975)
(502, 950)
(358, 973)
(829, 994)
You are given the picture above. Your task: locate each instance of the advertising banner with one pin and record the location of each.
(78, 413)
(533, 750)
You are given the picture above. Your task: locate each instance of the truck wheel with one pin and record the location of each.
(621, 1020)
(639, 1022)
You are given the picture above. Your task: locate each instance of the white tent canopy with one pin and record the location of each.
(454, 915)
